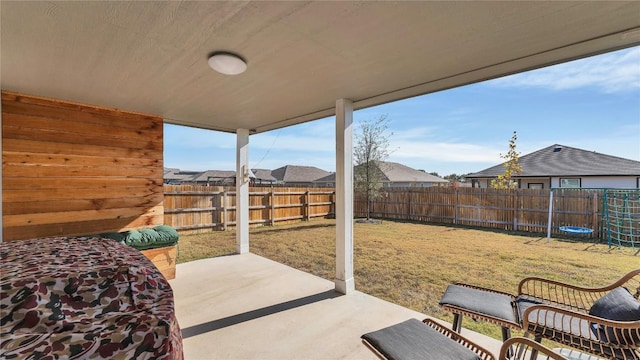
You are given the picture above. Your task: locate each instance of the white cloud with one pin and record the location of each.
(613, 72)
(412, 133)
(446, 152)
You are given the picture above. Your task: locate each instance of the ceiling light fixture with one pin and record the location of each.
(227, 63)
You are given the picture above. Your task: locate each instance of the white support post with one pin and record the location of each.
(1, 199)
(242, 191)
(550, 219)
(344, 282)
(1, 186)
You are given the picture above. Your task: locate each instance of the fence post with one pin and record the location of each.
(224, 210)
(478, 208)
(307, 196)
(409, 205)
(515, 210)
(455, 208)
(215, 201)
(550, 219)
(273, 207)
(594, 215)
(332, 207)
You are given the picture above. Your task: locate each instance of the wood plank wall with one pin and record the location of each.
(73, 169)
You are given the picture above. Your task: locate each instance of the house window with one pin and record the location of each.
(535, 186)
(569, 183)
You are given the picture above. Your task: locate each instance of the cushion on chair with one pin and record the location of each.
(556, 325)
(523, 303)
(412, 339)
(479, 301)
(617, 305)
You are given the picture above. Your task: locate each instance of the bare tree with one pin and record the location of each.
(372, 147)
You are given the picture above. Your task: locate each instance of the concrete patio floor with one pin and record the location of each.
(249, 307)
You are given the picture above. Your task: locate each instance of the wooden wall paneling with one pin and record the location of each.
(77, 183)
(74, 169)
(48, 147)
(34, 207)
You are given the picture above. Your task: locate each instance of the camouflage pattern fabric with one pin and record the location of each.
(84, 298)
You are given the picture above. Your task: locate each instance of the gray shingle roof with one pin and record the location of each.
(214, 175)
(561, 160)
(264, 174)
(395, 172)
(171, 170)
(331, 178)
(295, 173)
(183, 176)
(171, 174)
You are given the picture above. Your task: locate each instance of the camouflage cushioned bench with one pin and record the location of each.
(84, 298)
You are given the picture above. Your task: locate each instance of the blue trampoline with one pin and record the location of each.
(576, 230)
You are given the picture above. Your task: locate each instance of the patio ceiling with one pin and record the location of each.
(151, 57)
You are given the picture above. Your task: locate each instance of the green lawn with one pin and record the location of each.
(411, 264)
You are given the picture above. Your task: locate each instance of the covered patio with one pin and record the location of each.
(304, 61)
(87, 86)
(255, 308)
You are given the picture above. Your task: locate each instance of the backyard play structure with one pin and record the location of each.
(619, 217)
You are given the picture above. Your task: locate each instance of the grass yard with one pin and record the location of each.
(411, 264)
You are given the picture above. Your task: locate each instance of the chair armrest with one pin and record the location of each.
(573, 296)
(589, 333)
(520, 348)
(485, 289)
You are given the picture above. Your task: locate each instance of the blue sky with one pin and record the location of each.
(592, 104)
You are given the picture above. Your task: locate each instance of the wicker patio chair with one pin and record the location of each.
(601, 321)
(574, 297)
(520, 348)
(554, 310)
(413, 339)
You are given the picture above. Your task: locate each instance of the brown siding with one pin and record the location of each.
(72, 169)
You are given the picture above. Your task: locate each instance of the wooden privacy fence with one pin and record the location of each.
(517, 210)
(192, 208)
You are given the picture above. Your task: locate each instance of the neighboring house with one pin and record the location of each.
(563, 166)
(398, 175)
(264, 177)
(209, 177)
(326, 181)
(169, 175)
(294, 175)
(214, 177)
(460, 184)
(174, 176)
(395, 175)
